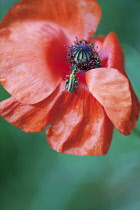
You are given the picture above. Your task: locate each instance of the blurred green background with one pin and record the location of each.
(34, 177)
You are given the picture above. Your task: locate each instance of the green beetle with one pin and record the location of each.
(72, 82)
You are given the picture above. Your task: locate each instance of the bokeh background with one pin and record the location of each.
(34, 177)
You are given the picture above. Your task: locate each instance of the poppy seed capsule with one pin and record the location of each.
(82, 53)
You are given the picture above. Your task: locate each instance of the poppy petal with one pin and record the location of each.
(32, 59)
(111, 53)
(80, 126)
(114, 58)
(29, 118)
(78, 17)
(135, 109)
(111, 88)
(98, 42)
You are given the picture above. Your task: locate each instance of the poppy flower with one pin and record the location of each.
(96, 96)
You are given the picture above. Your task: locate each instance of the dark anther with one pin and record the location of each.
(83, 56)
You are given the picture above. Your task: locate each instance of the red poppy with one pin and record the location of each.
(33, 68)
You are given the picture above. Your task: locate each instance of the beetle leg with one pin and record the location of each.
(76, 83)
(66, 85)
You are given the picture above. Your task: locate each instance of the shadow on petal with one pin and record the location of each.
(113, 91)
(33, 60)
(80, 126)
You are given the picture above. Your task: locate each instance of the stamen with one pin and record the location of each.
(83, 56)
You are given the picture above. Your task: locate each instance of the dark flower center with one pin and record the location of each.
(82, 56)
(82, 53)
